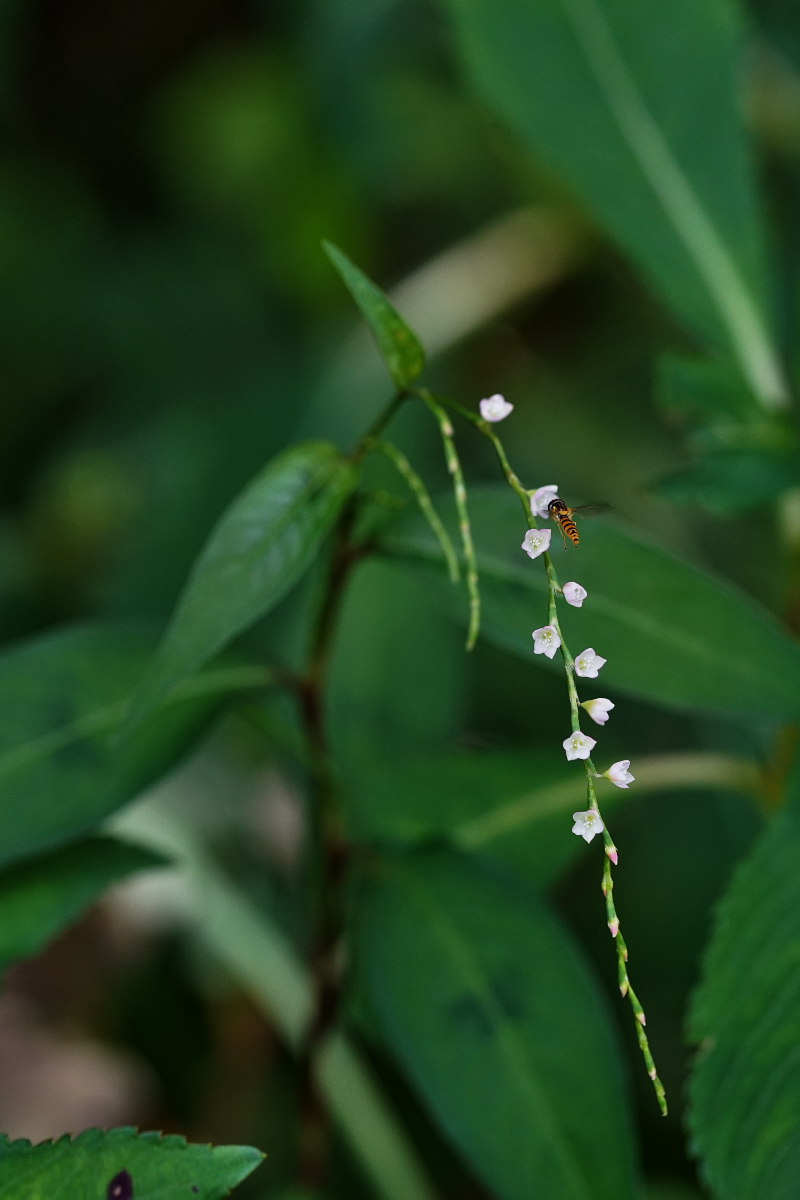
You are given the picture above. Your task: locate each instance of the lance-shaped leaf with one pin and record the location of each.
(398, 346)
(609, 93)
(63, 697)
(121, 1164)
(672, 633)
(40, 898)
(489, 1008)
(745, 1088)
(259, 549)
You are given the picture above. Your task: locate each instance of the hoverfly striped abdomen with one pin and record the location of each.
(561, 513)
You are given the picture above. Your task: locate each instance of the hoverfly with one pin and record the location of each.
(562, 514)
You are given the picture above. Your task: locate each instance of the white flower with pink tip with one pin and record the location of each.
(495, 408)
(598, 709)
(619, 774)
(540, 499)
(574, 594)
(588, 664)
(587, 824)
(536, 541)
(546, 640)
(578, 745)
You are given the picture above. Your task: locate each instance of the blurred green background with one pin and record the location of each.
(169, 322)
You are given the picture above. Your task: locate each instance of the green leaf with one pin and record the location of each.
(703, 391)
(38, 899)
(142, 1166)
(508, 807)
(614, 109)
(489, 1008)
(732, 481)
(672, 633)
(259, 549)
(258, 956)
(398, 346)
(745, 1086)
(61, 769)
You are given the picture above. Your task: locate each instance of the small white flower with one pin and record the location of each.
(574, 594)
(546, 640)
(536, 542)
(578, 745)
(588, 664)
(587, 824)
(598, 709)
(495, 408)
(619, 774)
(541, 498)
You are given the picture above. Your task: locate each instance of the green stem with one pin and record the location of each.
(611, 854)
(465, 529)
(625, 984)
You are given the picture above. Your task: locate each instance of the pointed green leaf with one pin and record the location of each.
(259, 549)
(672, 633)
(745, 1087)
(492, 1013)
(63, 697)
(40, 898)
(398, 346)
(614, 109)
(100, 1165)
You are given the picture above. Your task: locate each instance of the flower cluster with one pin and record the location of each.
(547, 640)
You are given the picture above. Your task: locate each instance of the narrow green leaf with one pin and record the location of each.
(745, 1086)
(587, 86)
(61, 770)
(259, 549)
(492, 1013)
(141, 1166)
(672, 633)
(398, 346)
(40, 898)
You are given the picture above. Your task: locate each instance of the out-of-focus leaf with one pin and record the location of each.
(141, 1166)
(398, 346)
(42, 897)
(743, 457)
(259, 549)
(590, 87)
(745, 1087)
(671, 632)
(733, 481)
(509, 807)
(492, 1013)
(703, 391)
(61, 770)
(258, 956)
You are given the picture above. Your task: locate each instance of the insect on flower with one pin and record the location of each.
(562, 514)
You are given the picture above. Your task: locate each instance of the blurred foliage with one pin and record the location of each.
(169, 324)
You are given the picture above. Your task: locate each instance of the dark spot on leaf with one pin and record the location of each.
(481, 1016)
(121, 1187)
(470, 1015)
(509, 992)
